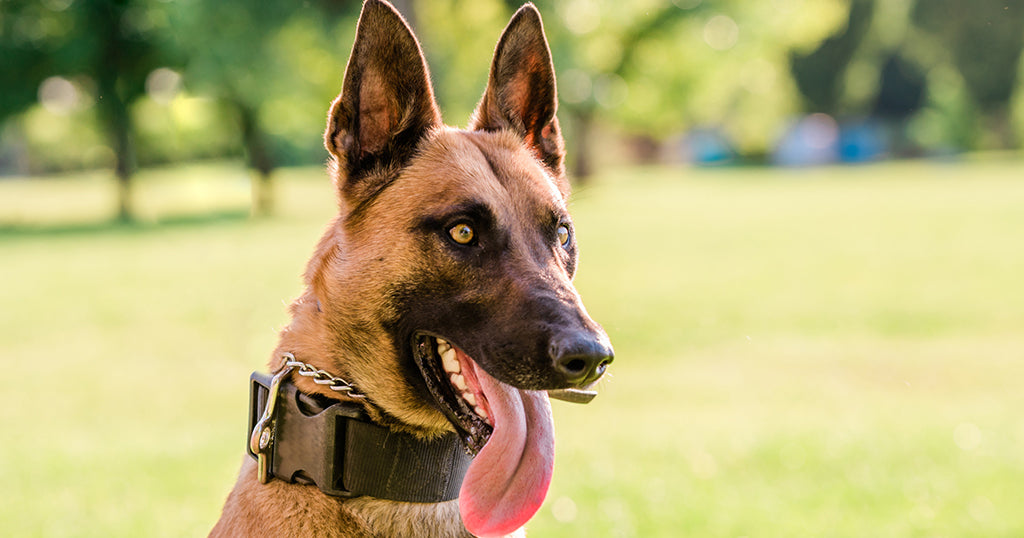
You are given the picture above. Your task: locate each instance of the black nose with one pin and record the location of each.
(580, 357)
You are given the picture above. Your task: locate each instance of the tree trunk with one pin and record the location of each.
(997, 121)
(582, 123)
(262, 194)
(117, 122)
(112, 101)
(260, 160)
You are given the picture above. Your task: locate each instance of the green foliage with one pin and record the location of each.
(985, 40)
(830, 352)
(984, 37)
(459, 59)
(272, 67)
(949, 118)
(258, 80)
(112, 45)
(62, 141)
(30, 34)
(184, 128)
(661, 68)
(819, 72)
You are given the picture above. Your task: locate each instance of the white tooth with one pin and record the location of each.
(459, 381)
(450, 363)
(442, 346)
(470, 398)
(480, 411)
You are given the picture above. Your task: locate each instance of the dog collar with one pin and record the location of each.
(307, 439)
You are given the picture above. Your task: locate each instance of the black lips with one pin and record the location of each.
(473, 430)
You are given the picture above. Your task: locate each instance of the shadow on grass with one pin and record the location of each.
(115, 226)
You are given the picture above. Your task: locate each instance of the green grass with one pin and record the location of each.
(827, 352)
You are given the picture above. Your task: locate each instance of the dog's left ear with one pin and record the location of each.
(386, 104)
(521, 94)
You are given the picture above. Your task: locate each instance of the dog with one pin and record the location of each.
(438, 310)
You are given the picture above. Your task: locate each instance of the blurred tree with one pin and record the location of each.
(721, 70)
(901, 89)
(984, 39)
(111, 45)
(901, 94)
(657, 69)
(118, 43)
(27, 38)
(643, 30)
(29, 35)
(459, 60)
(588, 81)
(651, 69)
(818, 73)
(269, 65)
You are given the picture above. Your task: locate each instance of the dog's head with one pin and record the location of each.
(445, 285)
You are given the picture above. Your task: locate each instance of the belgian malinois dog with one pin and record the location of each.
(438, 310)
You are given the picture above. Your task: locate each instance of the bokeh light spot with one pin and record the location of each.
(574, 86)
(57, 5)
(580, 16)
(820, 131)
(564, 510)
(59, 96)
(721, 32)
(163, 85)
(967, 436)
(610, 90)
(687, 4)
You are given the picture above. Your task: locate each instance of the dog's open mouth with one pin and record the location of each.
(451, 378)
(509, 429)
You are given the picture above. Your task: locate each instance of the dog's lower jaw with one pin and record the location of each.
(278, 508)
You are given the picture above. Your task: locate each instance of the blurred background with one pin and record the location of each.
(801, 223)
(124, 85)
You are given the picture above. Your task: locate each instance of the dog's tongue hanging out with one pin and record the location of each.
(509, 478)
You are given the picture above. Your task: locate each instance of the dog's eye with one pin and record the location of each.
(462, 233)
(563, 235)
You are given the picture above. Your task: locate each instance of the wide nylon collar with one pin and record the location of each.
(333, 445)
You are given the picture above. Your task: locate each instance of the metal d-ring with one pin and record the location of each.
(262, 437)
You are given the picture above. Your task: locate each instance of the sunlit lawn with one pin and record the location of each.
(826, 352)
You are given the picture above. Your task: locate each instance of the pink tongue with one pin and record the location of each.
(509, 478)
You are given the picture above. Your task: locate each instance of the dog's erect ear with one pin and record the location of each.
(386, 103)
(521, 94)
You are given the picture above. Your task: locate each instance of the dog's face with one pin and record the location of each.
(446, 282)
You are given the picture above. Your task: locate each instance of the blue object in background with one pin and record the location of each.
(862, 141)
(706, 147)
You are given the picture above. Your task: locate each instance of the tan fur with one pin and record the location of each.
(509, 161)
(278, 509)
(281, 509)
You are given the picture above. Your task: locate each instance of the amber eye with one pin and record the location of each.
(563, 235)
(462, 234)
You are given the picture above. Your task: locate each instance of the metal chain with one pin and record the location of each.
(321, 377)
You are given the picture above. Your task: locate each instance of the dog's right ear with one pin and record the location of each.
(385, 107)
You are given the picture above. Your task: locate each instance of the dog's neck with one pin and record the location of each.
(323, 515)
(413, 520)
(307, 337)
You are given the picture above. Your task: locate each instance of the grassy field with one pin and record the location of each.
(829, 352)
